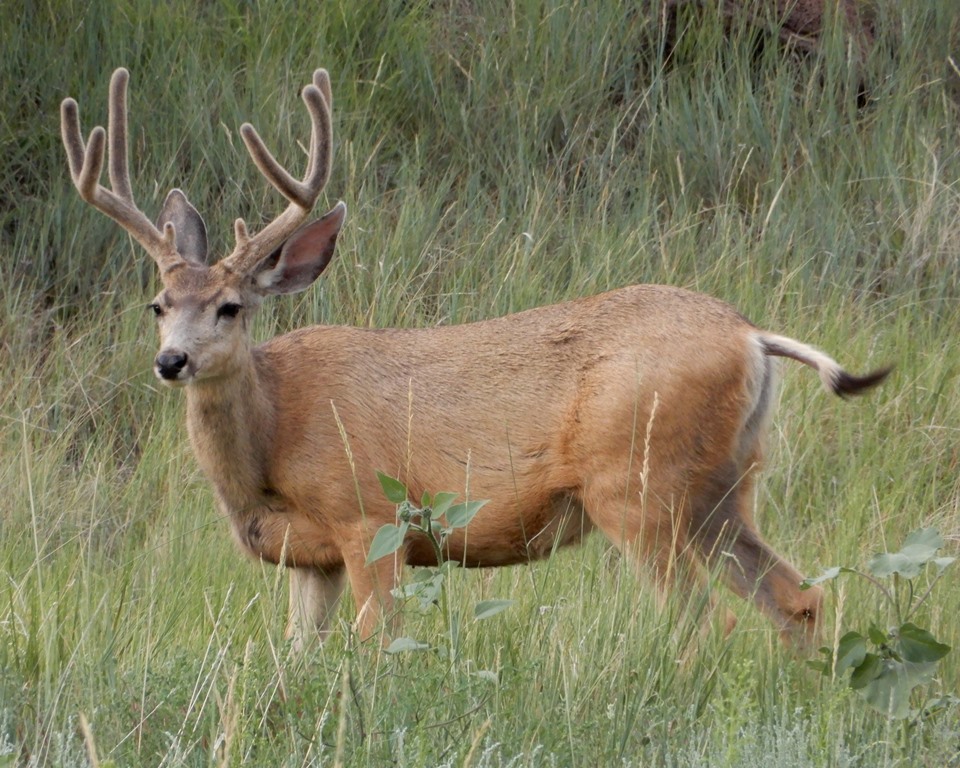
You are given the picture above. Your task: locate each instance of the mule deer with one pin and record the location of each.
(639, 412)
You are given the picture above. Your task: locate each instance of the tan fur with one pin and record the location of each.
(639, 412)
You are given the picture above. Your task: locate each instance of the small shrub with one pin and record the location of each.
(887, 665)
(436, 518)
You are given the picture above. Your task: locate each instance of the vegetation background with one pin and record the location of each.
(494, 156)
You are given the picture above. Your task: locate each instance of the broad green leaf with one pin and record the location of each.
(487, 608)
(827, 575)
(851, 651)
(877, 636)
(922, 539)
(393, 489)
(423, 575)
(429, 589)
(442, 502)
(869, 669)
(426, 500)
(386, 541)
(942, 562)
(459, 515)
(416, 586)
(917, 673)
(889, 691)
(405, 591)
(919, 548)
(822, 667)
(918, 645)
(402, 644)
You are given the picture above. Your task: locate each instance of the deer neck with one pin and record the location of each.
(230, 421)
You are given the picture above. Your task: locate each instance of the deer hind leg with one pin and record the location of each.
(314, 594)
(653, 535)
(724, 533)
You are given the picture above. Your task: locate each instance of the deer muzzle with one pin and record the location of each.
(170, 365)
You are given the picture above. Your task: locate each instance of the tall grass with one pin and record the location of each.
(494, 157)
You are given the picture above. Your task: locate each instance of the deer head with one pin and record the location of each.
(204, 311)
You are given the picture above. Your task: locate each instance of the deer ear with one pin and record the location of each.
(301, 259)
(191, 231)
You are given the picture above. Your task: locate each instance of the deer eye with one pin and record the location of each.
(155, 308)
(230, 309)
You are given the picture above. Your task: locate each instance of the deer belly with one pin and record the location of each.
(511, 539)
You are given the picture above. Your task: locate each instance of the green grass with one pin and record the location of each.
(494, 157)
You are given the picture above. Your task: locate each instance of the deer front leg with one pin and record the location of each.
(372, 587)
(313, 599)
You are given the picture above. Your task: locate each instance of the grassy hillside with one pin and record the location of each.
(494, 157)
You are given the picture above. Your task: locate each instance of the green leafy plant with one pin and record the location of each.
(436, 518)
(887, 665)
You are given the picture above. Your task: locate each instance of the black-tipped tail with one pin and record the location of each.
(845, 383)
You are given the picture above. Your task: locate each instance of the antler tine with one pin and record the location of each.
(86, 165)
(301, 194)
(321, 79)
(72, 138)
(117, 135)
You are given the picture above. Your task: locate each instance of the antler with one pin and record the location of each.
(86, 164)
(302, 195)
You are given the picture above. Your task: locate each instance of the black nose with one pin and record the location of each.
(169, 364)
